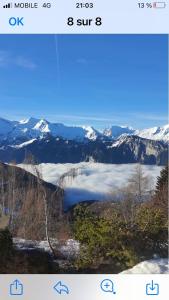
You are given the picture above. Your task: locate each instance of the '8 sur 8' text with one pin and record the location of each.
(84, 22)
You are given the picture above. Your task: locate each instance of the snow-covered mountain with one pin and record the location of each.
(155, 133)
(33, 128)
(115, 131)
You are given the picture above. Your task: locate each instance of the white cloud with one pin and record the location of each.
(136, 120)
(150, 116)
(94, 181)
(7, 59)
(81, 118)
(25, 63)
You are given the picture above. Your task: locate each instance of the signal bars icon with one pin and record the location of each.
(9, 5)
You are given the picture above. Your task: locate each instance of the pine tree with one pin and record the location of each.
(161, 192)
(162, 180)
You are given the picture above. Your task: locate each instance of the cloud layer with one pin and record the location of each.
(94, 181)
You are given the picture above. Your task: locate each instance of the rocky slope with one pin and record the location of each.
(126, 149)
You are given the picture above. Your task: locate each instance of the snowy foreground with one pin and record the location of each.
(70, 249)
(94, 181)
(153, 266)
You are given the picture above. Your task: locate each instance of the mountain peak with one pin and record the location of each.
(155, 133)
(42, 125)
(116, 131)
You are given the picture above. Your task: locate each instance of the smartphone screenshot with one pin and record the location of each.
(84, 137)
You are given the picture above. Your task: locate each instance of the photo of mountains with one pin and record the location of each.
(83, 154)
(79, 144)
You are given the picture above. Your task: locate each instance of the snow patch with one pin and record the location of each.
(68, 250)
(23, 144)
(154, 266)
(116, 131)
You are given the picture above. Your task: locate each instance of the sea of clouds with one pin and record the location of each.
(93, 181)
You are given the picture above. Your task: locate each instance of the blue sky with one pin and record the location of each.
(96, 80)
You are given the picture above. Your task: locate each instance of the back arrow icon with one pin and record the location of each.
(61, 288)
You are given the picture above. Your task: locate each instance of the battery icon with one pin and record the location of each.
(159, 5)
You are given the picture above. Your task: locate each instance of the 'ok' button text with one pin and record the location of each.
(16, 21)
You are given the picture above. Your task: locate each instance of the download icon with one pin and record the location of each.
(152, 289)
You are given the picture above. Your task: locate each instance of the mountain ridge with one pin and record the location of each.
(34, 128)
(127, 149)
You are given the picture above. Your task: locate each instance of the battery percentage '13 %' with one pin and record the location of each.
(145, 5)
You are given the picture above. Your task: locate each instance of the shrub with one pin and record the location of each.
(153, 231)
(117, 242)
(103, 241)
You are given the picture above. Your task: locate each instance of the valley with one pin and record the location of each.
(93, 181)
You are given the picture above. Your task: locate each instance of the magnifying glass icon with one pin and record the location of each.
(107, 286)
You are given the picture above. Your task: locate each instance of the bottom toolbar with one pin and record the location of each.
(84, 287)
